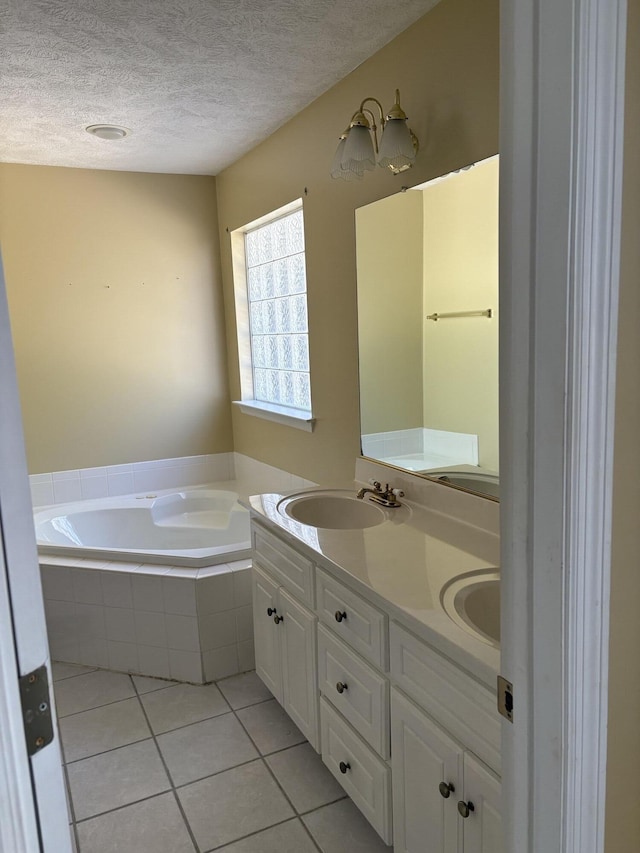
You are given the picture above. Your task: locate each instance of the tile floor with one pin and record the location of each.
(158, 767)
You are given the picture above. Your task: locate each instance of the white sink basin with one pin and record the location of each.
(472, 601)
(332, 509)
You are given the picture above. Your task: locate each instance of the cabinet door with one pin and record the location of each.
(483, 828)
(423, 758)
(267, 636)
(299, 667)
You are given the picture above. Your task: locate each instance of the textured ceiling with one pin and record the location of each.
(199, 82)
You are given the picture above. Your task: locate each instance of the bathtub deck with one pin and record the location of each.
(157, 767)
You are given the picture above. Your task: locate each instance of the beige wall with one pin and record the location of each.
(622, 833)
(461, 274)
(446, 66)
(116, 312)
(389, 262)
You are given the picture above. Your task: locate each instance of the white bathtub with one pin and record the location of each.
(187, 528)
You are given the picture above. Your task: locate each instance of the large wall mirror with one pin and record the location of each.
(427, 263)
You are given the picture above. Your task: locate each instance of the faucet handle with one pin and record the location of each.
(376, 485)
(398, 493)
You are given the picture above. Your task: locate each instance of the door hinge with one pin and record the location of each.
(505, 698)
(36, 709)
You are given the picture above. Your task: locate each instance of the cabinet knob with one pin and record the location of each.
(446, 789)
(340, 615)
(270, 611)
(344, 766)
(278, 619)
(465, 809)
(341, 687)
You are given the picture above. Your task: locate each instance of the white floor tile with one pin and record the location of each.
(91, 690)
(341, 828)
(116, 778)
(243, 690)
(181, 705)
(148, 685)
(289, 837)
(68, 670)
(102, 729)
(205, 748)
(304, 778)
(153, 826)
(233, 804)
(270, 727)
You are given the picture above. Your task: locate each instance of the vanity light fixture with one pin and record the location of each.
(108, 131)
(358, 147)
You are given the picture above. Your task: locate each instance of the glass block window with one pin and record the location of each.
(277, 297)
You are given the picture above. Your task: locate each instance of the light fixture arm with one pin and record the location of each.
(370, 125)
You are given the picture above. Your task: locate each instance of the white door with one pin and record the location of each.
(267, 639)
(483, 827)
(299, 667)
(33, 809)
(427, 782)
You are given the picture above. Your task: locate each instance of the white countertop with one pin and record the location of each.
(402, 565)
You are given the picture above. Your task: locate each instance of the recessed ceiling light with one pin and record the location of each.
(108, 131)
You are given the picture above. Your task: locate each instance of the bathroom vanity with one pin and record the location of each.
(353, 640)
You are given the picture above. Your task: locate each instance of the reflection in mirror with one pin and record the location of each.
(427, 263)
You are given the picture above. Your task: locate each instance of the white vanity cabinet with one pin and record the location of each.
(440, 791)
(443, 723)
(413, 739)
(285, 635)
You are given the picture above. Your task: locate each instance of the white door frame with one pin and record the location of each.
(562, 107)
(33, 807)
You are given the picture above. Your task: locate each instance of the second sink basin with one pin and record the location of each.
(472, 601)
(333, 509)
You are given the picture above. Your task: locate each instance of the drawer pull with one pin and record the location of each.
(270, 611)
(278, 619)
(446, 790)
(465, 809)
(341, 687)
(344, 766)
(340, 615)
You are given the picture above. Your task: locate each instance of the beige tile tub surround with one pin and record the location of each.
(112, 480)
(240, 472)
(187, 624)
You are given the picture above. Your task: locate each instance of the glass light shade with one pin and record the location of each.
(396, 146)
(337, 172)
(358, 153)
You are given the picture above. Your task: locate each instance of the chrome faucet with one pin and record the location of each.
(388, 497)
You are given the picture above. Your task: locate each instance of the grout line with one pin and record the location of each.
(263, 758)
(106, 751)
(71, 807)
(124, 806)
(252, 834)
(170, 778)
(73, 675)
(251, 704)
(308, 831)
(345, 796)
(106, 704)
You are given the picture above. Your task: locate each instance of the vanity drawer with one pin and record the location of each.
(290, 568)
(359, 623)
(359, 692)
(465, 707)
(366, 778)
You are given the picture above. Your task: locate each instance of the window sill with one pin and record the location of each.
(296, 418)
